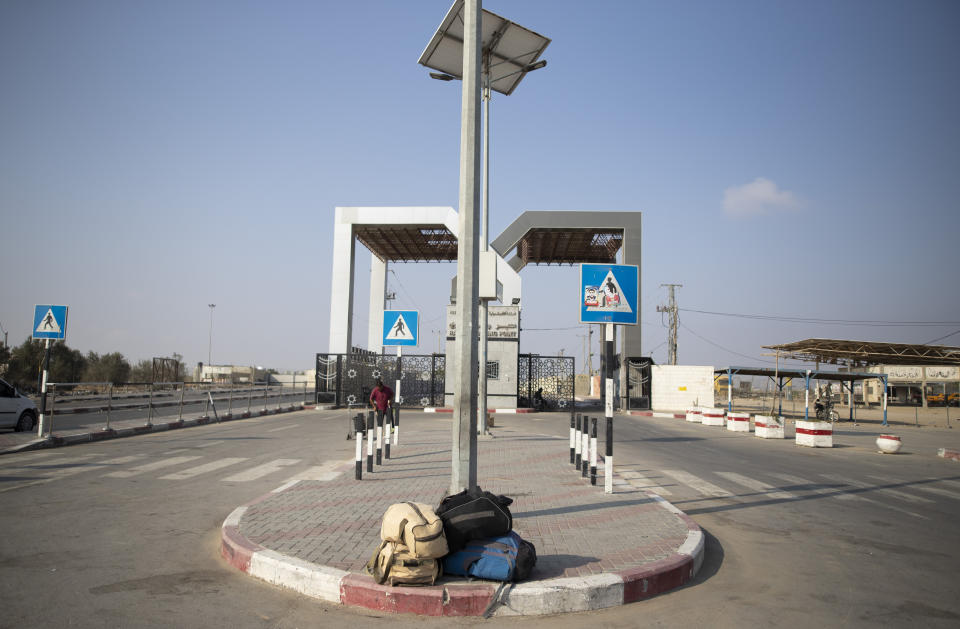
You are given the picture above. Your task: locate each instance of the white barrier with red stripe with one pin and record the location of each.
(767, 427)
(694, 416)
(815, 434)
(712, 417)
(889, 444)
(738, 422)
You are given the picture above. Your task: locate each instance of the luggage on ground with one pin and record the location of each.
(417, 527)
(393, 564)
(505, 558)
(473, 515)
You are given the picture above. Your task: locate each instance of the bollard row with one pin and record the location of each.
(378, 432)
(583, 446)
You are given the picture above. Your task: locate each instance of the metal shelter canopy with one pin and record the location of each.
(855, 353)
(807, 375)
(569, 246)
(408, 243)
(794, 373)
(507, 48)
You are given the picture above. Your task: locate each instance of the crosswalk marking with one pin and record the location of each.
(702, 486)
(840, 479)
(940, 492)
(51, 466)
(833, 492)
(150, 467)
(207, 444)
(326, 472)
(642, 482)
(283, 428)
(203, 469)
(899, 494)
(261, 470)
(756, 485)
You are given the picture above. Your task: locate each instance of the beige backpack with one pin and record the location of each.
(417, 527)
(393, 564)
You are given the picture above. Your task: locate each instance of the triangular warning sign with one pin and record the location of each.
(49, 323)
(610, 296)
(399, 331)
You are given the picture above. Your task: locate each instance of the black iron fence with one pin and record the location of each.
(348, 379)
(551, 376)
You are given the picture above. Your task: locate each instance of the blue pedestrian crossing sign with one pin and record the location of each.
(50, 322)
(400, 327)
(609, 293)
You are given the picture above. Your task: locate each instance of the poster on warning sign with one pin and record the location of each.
(609, 293)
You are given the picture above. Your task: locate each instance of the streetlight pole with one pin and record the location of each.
(464, 472)
(210, 343)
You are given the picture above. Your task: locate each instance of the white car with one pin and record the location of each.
(17, 411)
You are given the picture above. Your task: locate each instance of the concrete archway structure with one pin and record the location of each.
(392, 234)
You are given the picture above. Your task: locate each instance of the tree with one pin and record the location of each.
(107, 368)
(142, 371)
(26, 364)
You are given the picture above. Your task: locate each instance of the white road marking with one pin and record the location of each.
(833, 492)
(149, 467)
(840, 479)
(756, 485)
(207, 444)
(900, 494)
(203, 469)
(936, 490)
(46, 468)
(698, 484)
(283, 428)
(324, 472)
(261, 470)
(640, 481)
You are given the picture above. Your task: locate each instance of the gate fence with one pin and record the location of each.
(553, 375)
(638, 383)
(348, 379)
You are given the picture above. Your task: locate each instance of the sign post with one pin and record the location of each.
(49, 323)
(610, 295)
(400, 328)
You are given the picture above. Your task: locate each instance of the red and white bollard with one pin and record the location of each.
(889, 444)
(738, 422)
(815, 434)
(694, 415)
(767, 427)
(712, 417)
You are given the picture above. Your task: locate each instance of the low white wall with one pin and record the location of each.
(678, 387)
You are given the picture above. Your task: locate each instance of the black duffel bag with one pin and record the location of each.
(472, 515)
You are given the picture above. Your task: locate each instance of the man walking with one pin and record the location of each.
(381, 398)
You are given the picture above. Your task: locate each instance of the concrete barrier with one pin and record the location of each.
(767, 427)
(738, 422)
(712, 417)
(889, 444)
(694, 415)
(815, 434)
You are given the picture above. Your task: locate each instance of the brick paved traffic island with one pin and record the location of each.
(594, 550)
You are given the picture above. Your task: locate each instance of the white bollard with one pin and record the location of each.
(889, 444)
(738, 422)
(815, 434)
(767, 427)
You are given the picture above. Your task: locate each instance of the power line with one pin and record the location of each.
(943, 337)
(726, 349)
(865, 322)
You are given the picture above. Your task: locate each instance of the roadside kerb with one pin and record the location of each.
(548, 596)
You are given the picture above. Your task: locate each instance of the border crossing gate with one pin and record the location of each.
(348, 379)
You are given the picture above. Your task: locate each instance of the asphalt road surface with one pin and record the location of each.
(126, 532)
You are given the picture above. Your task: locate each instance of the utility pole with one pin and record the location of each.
(672, 309)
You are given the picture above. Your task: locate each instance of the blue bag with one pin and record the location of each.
(505, 558)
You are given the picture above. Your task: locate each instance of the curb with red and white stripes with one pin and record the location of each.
(549, 596)
(444, 409)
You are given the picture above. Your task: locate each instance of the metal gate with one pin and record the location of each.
(348, 379)
(638, 383)
(551, 375)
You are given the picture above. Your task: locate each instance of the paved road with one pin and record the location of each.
(125, 533)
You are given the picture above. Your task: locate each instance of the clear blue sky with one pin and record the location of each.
(790, 158)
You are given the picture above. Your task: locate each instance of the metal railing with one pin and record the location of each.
(144, 402)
